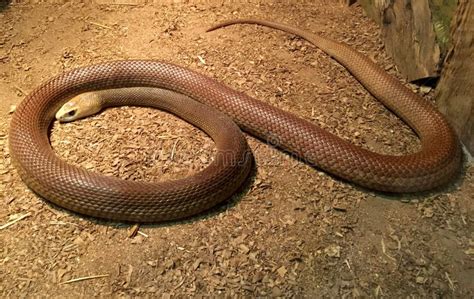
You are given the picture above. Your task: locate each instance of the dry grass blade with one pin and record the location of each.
(385, 252)
(14, 221)
(143, 234)
(100, 25)
(84, 278)
(173, 151)
(450, 281)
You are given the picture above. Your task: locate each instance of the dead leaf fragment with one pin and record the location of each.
(282, 271)
(12, 109)
(333, 250)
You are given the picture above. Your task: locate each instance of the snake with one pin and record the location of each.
(220, 111)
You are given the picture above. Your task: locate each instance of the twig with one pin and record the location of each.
(167, 136)
(451, 283)
(14, 221)
(84, 278)
(100, 25)
(348, 265)
(55, 222)
(378, 291)
(399, 242)
(179, 284)
(143, 234)
(126, 4)
(201, 59)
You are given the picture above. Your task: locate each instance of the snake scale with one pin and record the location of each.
(435, 164)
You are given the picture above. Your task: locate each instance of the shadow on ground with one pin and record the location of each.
(4, 4)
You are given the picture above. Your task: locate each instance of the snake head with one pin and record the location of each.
(78, 107)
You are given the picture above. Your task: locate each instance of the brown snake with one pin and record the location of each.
(435, 164)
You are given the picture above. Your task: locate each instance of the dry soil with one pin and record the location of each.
(294, 231)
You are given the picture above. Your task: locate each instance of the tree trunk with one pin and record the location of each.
(455, 91)
(415, 33)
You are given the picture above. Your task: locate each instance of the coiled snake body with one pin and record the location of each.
(435, 164)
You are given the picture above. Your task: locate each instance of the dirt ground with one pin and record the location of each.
(293, 232)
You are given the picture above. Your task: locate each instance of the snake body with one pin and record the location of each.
(434, 165)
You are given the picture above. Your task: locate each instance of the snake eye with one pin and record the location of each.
(71, 113)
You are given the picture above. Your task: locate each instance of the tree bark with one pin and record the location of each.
(455, 91)
(413, 33)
